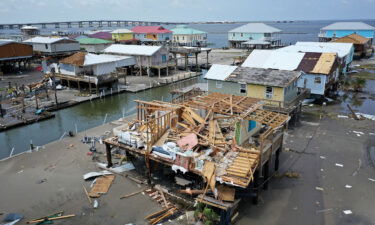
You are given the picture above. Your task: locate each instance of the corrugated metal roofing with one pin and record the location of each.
(87, 59)
(132, 49)
(348, 26)
(29, 28)
(46, 40)
(270, 59)
(102, 35)
(219, 72)
(255, 28)
(122, 31)
(266, 77)
(93, 41)
(309, 61)
(342, 49)
(150, 29)
(352, 38)
(184, 30)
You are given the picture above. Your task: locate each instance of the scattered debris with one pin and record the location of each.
(49, 219)
(118, 169)
(96, 174)
(339, 165)
(366, 116)
(370, 179)
(322, 157)
(348, 186)
(101, 186)
(41, 181)
(347, 212)
(159, 216)
(324, 210)
(96, 204)
(132, 194)
(12, 218)
(319, 188)
(288, 174)
(359, 167)
(87, 194)
(342, 116)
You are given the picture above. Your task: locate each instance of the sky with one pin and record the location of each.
(20, 11)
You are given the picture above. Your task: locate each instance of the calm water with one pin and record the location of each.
(218, 33)
(85, 116)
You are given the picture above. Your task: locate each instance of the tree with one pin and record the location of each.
(358, 84)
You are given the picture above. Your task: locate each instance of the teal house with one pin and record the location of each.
(186, 36)
(254, 34)
(342, 29)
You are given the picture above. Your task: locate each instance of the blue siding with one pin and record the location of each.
(252, 125)
(315, 88)
(233, 36)
(343, 33)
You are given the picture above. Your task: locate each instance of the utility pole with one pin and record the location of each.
(1, 108)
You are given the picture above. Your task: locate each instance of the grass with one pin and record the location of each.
(367, 66)
(364, 75)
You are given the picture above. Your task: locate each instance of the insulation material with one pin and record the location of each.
(226, 193)
(209, 173)
(188, 142)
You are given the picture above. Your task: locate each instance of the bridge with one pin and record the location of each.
(86, 23)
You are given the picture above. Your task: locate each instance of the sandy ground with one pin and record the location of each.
(62, 168)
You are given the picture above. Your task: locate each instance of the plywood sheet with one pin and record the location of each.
(101, 186)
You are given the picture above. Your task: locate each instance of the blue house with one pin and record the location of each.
(342, 29)
(255, 34)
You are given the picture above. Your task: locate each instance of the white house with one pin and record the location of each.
(255, 35)
(147, 57)
(53, 45)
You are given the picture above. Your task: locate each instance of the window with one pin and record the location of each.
(269, 92)
(234, 34)
(243, 88)
(219, 84)
(183, 37)
(145, 36)
(241, 34)
(164, 58)
(46, 45)
(267, 34)
(317, 80)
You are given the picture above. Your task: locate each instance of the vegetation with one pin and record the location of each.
(364, 75)
(206, 214)
(367, 66)
(354, 83)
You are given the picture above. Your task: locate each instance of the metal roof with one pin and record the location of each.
(150, 29)
(266, 77)
(270, 59)
(46, 40)
(132, 49)
(348, 26)
(255, 28)
(29, 28)
(93, 41)
(122, 31)
(219, 72)
(342, 49)
(88, 59)
(184, 30)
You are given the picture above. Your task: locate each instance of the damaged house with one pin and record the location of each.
(220, 144)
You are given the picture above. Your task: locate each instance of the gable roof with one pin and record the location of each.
(122, 31)
(219, 72)
(88, 59)
(150, 29)
(132, 49)
(255, 28)
(348, 26)
(342, 49)
(184, 30)
(318, 63)
(93, 41)
(47, 40)
(269, 59)
(265, 77)
(352, 38)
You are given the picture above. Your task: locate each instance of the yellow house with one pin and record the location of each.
(122, 35)
(276, 87)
